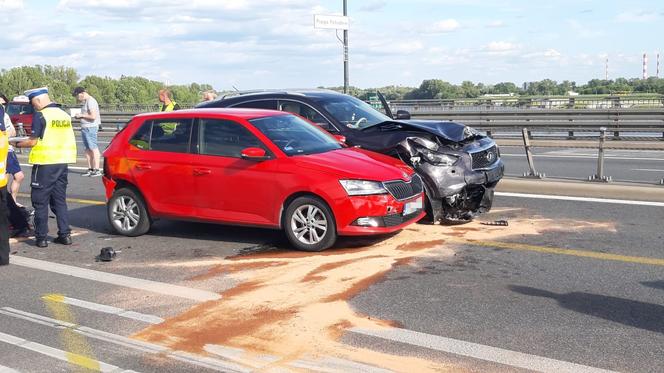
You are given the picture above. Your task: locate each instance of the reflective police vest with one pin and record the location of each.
(168, 107)
(58, 144)
(4, 148)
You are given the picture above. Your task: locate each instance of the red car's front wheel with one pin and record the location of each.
(309, 224)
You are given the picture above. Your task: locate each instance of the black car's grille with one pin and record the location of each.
(396, 219)
(403, 190)
(485, 158)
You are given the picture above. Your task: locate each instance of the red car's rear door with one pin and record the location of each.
(160, 162)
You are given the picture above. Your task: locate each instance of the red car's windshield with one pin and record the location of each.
(294, 136)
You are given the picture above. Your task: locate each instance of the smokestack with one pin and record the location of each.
(657, 65)
(645, 66)
(606, 69)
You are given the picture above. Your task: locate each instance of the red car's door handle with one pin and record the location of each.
(143, 166)
(202, 171)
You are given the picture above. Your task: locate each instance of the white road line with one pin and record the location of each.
(108, 309)
(647, 169)
(4, 369)
(53, 352)
(581, 199)
(594, 156)
(151, 348)
(478, 351)
(118, 280)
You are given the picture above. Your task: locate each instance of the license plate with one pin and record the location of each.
(413, 206)
(493, 175)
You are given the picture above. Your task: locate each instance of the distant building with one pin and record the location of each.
(572, 93)
(498, 95)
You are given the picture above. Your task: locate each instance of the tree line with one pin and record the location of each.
(137, 90)
(61, 81)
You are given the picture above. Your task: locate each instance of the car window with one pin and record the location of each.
(165, 135)
(225, 138)
(295, 136)
(19, 109)
(308, 112)
(352, 112)
(258, 104)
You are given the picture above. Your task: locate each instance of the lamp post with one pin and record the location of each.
(345, 52)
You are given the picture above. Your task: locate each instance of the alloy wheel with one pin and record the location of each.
(309, 224)
(126, 213)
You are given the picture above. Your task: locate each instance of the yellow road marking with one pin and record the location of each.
(74, 200)
(79, 352)
(559, 251)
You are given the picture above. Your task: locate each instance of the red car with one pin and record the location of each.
(20, 111)
(258, 168)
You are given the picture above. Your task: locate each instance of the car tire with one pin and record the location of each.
(309, 224)
(127, 213)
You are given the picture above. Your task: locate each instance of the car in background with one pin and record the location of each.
(256, 168)
(20, 110)
(460, 167)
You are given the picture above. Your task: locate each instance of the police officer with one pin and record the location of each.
(53, 147)
(167, 102)
(4, 223)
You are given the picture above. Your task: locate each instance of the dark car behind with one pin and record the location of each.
(460, 166)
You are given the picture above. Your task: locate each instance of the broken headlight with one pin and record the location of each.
(438, 159)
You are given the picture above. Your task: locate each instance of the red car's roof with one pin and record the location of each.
(238, 113)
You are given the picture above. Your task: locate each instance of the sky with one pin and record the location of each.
(251, 44)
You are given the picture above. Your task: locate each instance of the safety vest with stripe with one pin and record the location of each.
(58, 144)
(168, 107)
(4, 148)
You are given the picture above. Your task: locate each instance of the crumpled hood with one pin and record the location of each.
(451, 131)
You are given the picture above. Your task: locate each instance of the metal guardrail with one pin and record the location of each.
(619, 122)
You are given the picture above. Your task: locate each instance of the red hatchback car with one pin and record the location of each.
(258, 168)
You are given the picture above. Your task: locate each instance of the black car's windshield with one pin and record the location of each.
(295, 136)
(352, 112)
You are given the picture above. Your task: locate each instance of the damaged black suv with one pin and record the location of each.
(460, 166)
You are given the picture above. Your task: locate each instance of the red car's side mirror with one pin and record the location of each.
(254, 154)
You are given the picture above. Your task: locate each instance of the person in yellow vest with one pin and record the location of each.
(53, 147)
(4, 212)
(167, 102)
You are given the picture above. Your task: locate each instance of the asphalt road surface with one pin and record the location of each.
(567, 286)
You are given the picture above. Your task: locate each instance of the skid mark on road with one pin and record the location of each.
(294, 304)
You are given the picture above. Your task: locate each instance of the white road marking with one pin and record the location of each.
(118, 280)
(151, 348)
(593, 156)
(647, 169)
(581, 199)
(109, 309)
(52, 352)
(478, 351)
(4, 369)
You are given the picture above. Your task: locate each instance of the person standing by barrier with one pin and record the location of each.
(53, 146)
(209, 95)
(167, 102)
(90, 121)
(4, 222)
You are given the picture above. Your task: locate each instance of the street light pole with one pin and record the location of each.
(345, 53)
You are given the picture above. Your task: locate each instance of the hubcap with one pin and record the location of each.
(309, 224)
(125, 213)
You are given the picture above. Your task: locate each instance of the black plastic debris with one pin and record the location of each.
(106, 254)
(501, 223)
